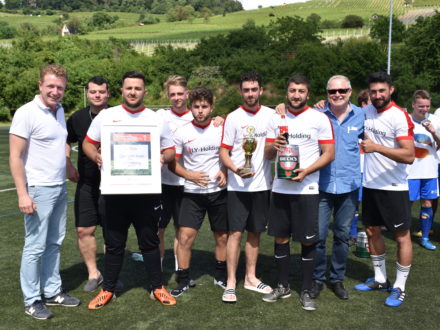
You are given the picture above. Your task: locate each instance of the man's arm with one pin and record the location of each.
(91, 151)
(227, 162)
(200, 178)
(167, 155)
(435, 135)
(17, 147)
(271, 148)
(72, 172)
(327, 156)
(404, 154)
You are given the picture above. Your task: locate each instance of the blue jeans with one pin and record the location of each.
(44, 233)
(344, 207)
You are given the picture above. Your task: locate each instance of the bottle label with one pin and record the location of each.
(287, 162)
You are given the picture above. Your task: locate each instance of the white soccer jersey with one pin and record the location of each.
(122, 115)
(307, 129)
(386, 127)
(426, 162)
(174, 120)
(199, 147)
(238, 124)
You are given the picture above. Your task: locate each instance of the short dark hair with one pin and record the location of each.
(97, 80)
(363, 97)
(379, 77)
(133, 74)
(251, 76)
(421, 94)
(201, 94)
(299, 79)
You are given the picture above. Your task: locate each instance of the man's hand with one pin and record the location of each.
(368, 145)
(218, 121)
(320, 104)
(280, 109)
(243, 175)
(429, 127)
(302, 173)
(220, 177)
(26, 204)
(72, 172)
(279, 143)
(200, 178)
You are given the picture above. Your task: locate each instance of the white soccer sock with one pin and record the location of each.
(401, 276)
(380, 271)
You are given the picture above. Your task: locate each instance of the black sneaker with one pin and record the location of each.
(220, 282)
(180, 290)
(192, 283)
(316, 289)
(38, 311)
(307, 302)
(339, 289)
(280, 292)
(62, 299)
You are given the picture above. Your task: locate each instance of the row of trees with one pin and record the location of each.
(153, 6)
(287, 46)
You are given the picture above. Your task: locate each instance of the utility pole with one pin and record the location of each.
(390, 37)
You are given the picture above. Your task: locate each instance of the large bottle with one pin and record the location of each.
(288, 158)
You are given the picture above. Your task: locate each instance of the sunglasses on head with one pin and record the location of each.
(340, 91)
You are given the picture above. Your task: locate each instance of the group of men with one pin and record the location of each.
(203, 170)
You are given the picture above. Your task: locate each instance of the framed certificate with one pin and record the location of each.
(130, 159)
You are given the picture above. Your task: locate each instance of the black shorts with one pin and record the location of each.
(391, 209)
(248, 210)
(294, 216)
(86, 205)
(171, 201)
(195, 206)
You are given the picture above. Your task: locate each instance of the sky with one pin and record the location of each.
(253, 4)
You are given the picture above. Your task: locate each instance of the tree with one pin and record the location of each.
(102, 20)
(352, 21)
(314, 18)
(380, 28)
(6, 31)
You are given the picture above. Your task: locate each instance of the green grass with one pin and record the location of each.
(201, 307)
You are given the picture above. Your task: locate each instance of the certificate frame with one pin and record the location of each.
(130, 159)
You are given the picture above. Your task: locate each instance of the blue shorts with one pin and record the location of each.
(422, 188)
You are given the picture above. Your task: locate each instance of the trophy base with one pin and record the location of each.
(245, 170)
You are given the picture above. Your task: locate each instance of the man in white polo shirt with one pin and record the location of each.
(37, 140)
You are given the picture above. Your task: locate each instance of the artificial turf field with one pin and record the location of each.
(201, 307)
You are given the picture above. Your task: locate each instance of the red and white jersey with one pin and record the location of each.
(386, 127)
(425, 164)
(174, 120)
(307, 129)
(238, 124)
(122, 115)
(199, 148)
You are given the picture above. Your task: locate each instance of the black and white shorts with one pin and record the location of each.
(86, 207)
(195, 206)
(248, 210)
(294, 216)
(388, 208)
(171, 201)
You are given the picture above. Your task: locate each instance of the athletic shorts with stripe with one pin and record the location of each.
(391, 209)
(171, 203)
(248, 210)
(195, 206)
(294, 216)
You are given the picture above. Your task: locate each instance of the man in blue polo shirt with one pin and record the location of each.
(339, 184)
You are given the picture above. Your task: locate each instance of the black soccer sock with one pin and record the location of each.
(308, 253)
(183, 276)
(153, 267)
(282, 261)
(220, 270)
(112, 268)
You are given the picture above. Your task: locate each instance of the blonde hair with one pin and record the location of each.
(55, 69)
(175, 81)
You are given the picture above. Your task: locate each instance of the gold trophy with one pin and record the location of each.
(249, 146)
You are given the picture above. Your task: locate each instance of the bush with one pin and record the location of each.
(5, 114)
(49, 12)
(352, 21)
(6, 31)
(330, 24)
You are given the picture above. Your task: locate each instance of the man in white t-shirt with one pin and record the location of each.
(295, 202)
(120, 211)
(423, 173)
(37, 140)
(198, 144)
(388, 147)
(248, 191)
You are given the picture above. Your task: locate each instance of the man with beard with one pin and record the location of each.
(88, 177)
(388, 147)
(248, 191)
(294, 203)
(339, 184)
(120, 211)
(198, 144)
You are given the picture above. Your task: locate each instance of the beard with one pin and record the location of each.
(136, 105)
(299, 106)
(251, 103)
(381, 103)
